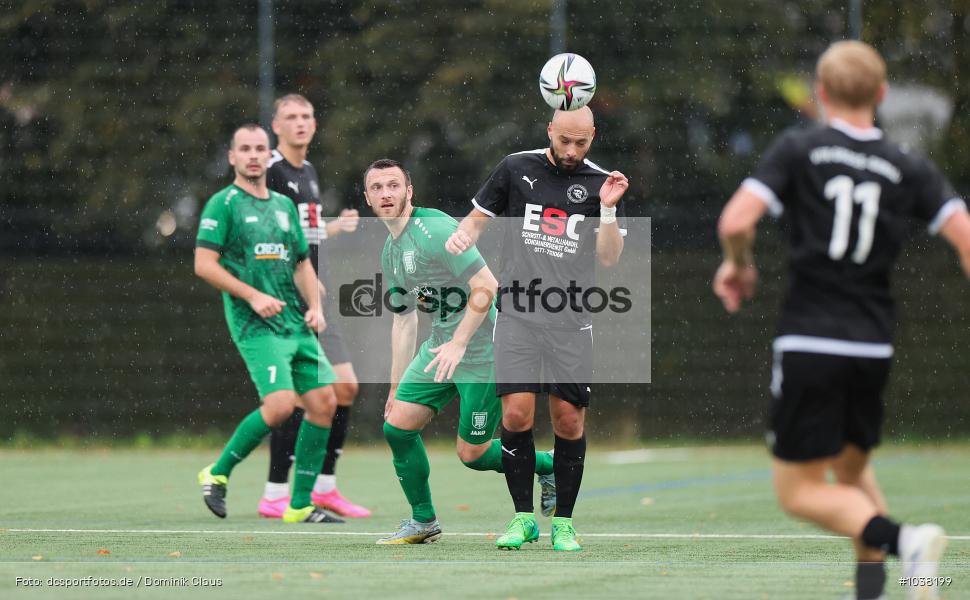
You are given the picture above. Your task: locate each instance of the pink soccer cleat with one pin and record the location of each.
(273, 509)
(333, 501)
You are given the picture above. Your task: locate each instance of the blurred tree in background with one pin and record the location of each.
(114, 111)
(115, 117)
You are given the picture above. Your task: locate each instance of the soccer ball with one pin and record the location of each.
(567, 82)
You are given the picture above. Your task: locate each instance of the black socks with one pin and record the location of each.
(338, 433)
(882, 534)
(567, 464)
(519, 462)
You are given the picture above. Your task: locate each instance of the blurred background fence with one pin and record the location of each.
(114, 118)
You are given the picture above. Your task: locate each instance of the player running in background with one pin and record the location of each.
(570, 195)
(456, 360)
(293, 176)
(850, 195)
(251, 247)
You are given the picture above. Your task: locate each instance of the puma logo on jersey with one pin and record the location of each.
(293, 186)
(531, 183)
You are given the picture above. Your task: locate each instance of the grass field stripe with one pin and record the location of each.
(710, 536)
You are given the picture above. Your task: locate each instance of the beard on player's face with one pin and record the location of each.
(390, 207)
(253, 176)
(561, 160)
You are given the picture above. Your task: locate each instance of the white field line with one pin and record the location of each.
(646, 455)
(700, 536)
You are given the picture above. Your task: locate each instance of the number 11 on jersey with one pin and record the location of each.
(845, 193)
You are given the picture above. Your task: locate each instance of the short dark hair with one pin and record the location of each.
(387, 163)
(247, 127)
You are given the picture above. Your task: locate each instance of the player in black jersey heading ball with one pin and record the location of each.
(565, 218)
(849, 195)
(292, 175)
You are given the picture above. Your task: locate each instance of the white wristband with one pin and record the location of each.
(607, 214)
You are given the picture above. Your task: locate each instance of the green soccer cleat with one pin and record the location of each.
(413, 532)
(309, 514)
(547, 498)
(214, 491)
(563, 535)
(522, 528)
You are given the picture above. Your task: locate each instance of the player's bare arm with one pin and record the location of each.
(956, 231)
(482, 286)
(404, 335)
(306, 281)
(347, 222)
(468, 232)
(609, 241)
(737, 277)
(207, 267)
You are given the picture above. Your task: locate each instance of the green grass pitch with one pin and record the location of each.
(674, 523)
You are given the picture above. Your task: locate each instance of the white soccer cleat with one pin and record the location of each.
(920, 550)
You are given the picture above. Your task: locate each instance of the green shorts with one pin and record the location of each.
(277, 363)
(481, 409)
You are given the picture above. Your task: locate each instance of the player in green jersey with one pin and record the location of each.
(457, 358)
(250, 246)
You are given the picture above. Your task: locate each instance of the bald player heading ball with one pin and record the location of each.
(577, 203)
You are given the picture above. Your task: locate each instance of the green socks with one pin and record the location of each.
(412, 468)
(311, 447)
(248, 435)
(492, 460)
(543, 462)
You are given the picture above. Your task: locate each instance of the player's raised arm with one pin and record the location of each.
(956, 230)
(404, 335)
(468, 232)
(207, 267)
(482, 288)
(737, 276)
(609, 241)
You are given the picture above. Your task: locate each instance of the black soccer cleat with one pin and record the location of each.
(310, 514)
(214, 491)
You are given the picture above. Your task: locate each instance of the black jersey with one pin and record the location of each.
(552, 217)
(849, 195)
(301, 185)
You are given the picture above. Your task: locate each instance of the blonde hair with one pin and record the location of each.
(297, 98)
(852, 74)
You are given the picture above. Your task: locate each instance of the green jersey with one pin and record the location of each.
(421, 273)
(260, 242)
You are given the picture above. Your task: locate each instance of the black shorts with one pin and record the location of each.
(332, 340)
(822, 402)
(527, 355)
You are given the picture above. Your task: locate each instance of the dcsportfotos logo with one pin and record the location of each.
(367, 298)
(533, 297)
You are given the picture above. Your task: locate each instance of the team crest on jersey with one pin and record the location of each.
(409, 265)
(479, 419)
(577, 193)
(283, 219)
